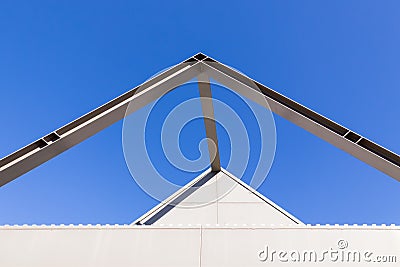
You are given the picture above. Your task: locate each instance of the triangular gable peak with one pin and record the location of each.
(217, 198)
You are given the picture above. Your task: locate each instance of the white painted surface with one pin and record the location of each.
(99, 247)
(223, 199)
(187, 246)
(240, 228)
(248, 247)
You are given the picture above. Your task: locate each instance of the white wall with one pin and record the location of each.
(189, 245)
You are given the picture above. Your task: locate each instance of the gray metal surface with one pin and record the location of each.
(335, 134)
(46, 148)
(51, 145)
(209, 120)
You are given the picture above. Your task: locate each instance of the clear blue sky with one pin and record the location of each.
(59, 60)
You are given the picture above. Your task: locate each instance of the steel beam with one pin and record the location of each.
(330, 131)
(209, 121)
(51, 145)
(46, 148)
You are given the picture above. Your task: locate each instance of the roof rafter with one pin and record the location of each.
(200, 65)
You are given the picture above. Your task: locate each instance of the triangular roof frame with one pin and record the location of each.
(203, 68)
(154, 214)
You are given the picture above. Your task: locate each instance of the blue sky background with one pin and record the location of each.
(59, 60)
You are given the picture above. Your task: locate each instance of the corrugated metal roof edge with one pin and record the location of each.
(213, 226)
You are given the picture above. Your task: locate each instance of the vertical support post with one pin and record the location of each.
(209, 120)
